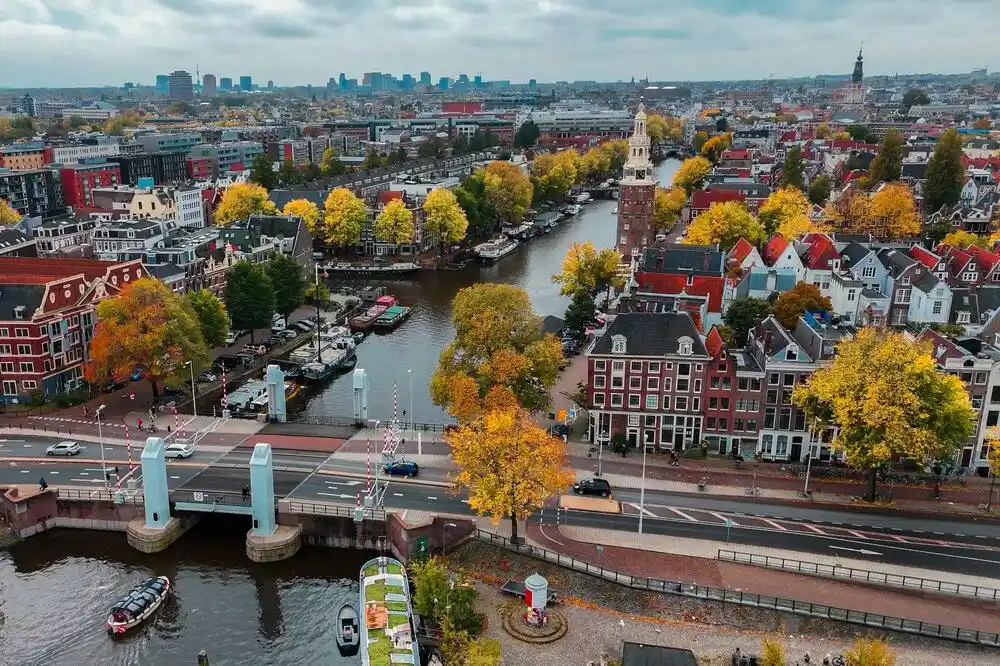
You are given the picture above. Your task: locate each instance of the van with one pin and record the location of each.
(278, 325)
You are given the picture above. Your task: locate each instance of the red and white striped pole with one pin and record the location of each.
(177, 424)
(128, 445)
(225, 394)
(368, 466)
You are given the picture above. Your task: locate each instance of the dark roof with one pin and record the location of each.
(166, 272)
(754, 190)
(9, 237)
(895, 260)
(282, 197)
(552, 324)
(989, 299)
(778, 335)
(926, 283)
(637, 654)
(275, 225)
(853, 253)
(652, 334)
(13, 295)
(915, 170)
(694, 259)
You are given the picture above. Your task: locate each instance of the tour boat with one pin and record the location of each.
(348, 639)
(135, 607)
(392, 318)
(572, 209)
(496, 250)
(398, 268)
(363, 322)
(387, 635)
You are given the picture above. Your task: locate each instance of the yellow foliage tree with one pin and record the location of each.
(444, 217)
(656, 127)
(823, 131)
(963, 239)
(667, 207)
(786, 204)
(585, 268)
(713, 148)
(309, 212)
(772, 652)
(617, 152)
(870, 652)
(242, 200)
(556, 172)
(993, 459)
(691, 173)
(797, 227)
(508, 191)
(344, 217)
(596, 163)
(888, 214)
(395, 223)
(508, 464)
(724, 223)
(905, 409)
(7, 213)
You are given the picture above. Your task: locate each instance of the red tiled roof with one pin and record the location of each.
(703, 199)
(736, 154)
(740, 251)
(774, 248)
(710, 287)
(957, 259)
(925, 257)
(821, 252)
(985, 257)
(714, 343)
(37, 270)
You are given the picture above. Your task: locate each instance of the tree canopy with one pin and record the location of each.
(743, 314)
(793, 169)
(444, 217)
(331, 165)
(556, 172)
(963, 239)
(287, 282)
(945, 173)
(587, 269)
(888, 163)
(527, 134)
(344, 216)
(262, 173)
(725, 223)
(819, 189)
(309, 212)
(801, 298)
(394, 223)
(241, 200)
(508, 191)
(890, 213)
(249, 296)
(667, 207)
(782, 206)
(915, 96)
(713, 148)
(691, 173)
(213, 320)
(7, 213)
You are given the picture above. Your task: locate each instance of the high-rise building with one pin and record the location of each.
(532, 83)
(270, 84)
(246, 83)
(225, 84)
(443, 83)
(208, 86)
(478, 81)
(180, 86)
(342, 81)
(635, 201)
(162, 84)
(425, 78)
(29, 106)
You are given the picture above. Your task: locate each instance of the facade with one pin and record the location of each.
(181, 89)
(80, 180)
(181, 142)
(100, 113)
(65, 237)
(164, 168)
(635, 201)
(33, 193)
(27, 156)
(228, 156)
(199, 168)
(208, 86)
(74, 153)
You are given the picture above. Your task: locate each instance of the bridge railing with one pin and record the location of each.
(226, 497)
(99, 494)
(370, 423)
(330, 509)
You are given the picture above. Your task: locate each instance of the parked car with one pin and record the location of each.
(274, 341)
(244, 359)
(232, 337)
(560, 429)
(289, 334)
(114, 385)
(599, 487)
(170, 391)
(63, 449)
(254, 350)
(304, 324)
(277, 323)
(178, 450)
(402, 468)
(207, 377)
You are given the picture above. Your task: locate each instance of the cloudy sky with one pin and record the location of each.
(93, 42)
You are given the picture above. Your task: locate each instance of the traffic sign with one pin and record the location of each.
(422, 547)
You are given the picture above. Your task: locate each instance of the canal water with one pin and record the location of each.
(410, 353)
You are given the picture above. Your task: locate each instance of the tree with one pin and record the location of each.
(527, 134)
(797, 227)
(721, 124)
(430, 587)
(945, 173)
(344, 216)
(802, 298)
(432, 147)
(507, 190)
(372, 160)
(691, 173)
(888, 163)
(316, 293)
(288, 174)
(579, 313)
(75, 122)
(585, 268)
(870, 652)
(914, 97)
(714, 147)
(556, 172)
(983, 124)
(699, 141)
(508, 464)
(460, 145)
(963, 239)
(743, 314)
(309, 212)
(8, 215)
(471, 197)
(146, 326)
(394, 223)
(819, 189)
(656, 127)
(772, 652)
(786, 204)
(249, 297)
(444, 217)
(287, 282)
(667, 207)
(262, 173)
(858, 132)
(179, 109)
(725, 223)
(823, 131)
(792, 175)
(905, 409)
(212, 317)
(311, 172)
(330, 164)
(596, 163)
(894, 212)
(240, 201)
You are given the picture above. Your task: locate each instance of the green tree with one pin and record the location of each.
(212, 317)
(432, 147)
(372, 160)
(249, 297)
(471, 196)
(944, 172)
(858, 132)
(527, 134)
(721, 124)
(461, 145)
(287, 282)
(311, 172)
(802, 298)
(262, 173)
(77, 122)
(330, 164)
(915, 96)
(288, 174)
(179, 109)
(743, 314)
(819, 189)
(579, 313)
(888, 164)
(700, 139)
(794, 168)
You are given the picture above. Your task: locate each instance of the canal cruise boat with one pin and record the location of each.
(135, 607)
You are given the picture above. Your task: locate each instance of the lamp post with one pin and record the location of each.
(194, 398)
(409, 374)
(813, 434)
(642, 490)
(99, 413)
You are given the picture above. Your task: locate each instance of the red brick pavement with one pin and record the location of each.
(910, 605)
(296, 442)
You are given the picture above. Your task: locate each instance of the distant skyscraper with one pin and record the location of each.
(162, 84)
(181, 89)
(342, 81)
(225, 83)
(270, 84)
(246, 83)
(29, 106)
(532, 83)
(208, 86)
(478, 81)
(425, 78)
(443, 83)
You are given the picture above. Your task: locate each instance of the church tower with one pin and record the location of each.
(635, 200)
(854, 92)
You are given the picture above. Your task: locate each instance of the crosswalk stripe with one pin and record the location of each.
(775, 525)
(725, 518)
(814, 529)
(642, 509)
(682, 514)
(858, 534)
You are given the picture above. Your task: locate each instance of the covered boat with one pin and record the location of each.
(135, 607)
(348, 638)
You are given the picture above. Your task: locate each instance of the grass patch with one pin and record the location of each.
(396, 606)
(396, 620)
(378, 652)
(370, 570)
(376, 591)
(401, 651)
(393, 568)
(376, 633)
(392, 589)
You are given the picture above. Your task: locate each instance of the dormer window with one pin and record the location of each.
(618, 344)
(791, 354)
(685, 346)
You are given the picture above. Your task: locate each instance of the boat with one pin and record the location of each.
(364, 321)
(318, 371)
(615, 211)
(358, 337)
(547, 221)
(397, 268)
(244, 401)
(392, 318)
(348, 639)
(387, 634)
(135, 607)
(495, 250)
(582, 198)
(521, 232)
(571, 209)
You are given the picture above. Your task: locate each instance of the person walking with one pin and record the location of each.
(86, 412)
(246, 493)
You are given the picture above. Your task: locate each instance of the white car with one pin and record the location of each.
(63, 449)
(178, 450)
(231, 338)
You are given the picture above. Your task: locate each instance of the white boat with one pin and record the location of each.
(520, 232)
(582, 198)
(496, 250)
(572, 209)
(615, 211)
(347, 636)
(366, 269)
(135, 607)
(386, 626)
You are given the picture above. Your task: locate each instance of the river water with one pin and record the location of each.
(55, 588)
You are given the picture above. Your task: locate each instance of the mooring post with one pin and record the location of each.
(203, 658)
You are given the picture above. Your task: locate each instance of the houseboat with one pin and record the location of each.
(396, 268)
(582, 198)
(547, 221)
(135, 607)
(392, 318)
(364, 321)
(571, 209)
(240, 402)
(495, 250)
(386, 628)
(522, 232)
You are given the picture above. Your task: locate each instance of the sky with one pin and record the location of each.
(63, 43)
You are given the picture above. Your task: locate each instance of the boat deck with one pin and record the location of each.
(386, 631)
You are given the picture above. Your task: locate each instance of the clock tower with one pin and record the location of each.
(635, 199)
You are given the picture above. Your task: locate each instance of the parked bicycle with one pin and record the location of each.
(752, 490)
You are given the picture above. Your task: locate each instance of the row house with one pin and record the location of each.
(125, 239)
(183, 205)
(702, 200)
(753, 192)
(71, 237)
(974, 216)
(691, 272)
(373, 246)
(79, 181)
(743, 256)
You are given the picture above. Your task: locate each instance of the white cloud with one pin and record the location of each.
(92, 42)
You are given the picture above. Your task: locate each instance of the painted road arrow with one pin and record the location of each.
(863, 551)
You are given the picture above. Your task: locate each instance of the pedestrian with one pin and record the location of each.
(138, 424)
(246, 492)
(86, 412)
(41, 484)
(117, 475)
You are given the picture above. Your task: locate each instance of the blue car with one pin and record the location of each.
(402, 468)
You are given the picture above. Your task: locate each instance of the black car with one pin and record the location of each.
(560, 429)
(402, 468)
(598, 487)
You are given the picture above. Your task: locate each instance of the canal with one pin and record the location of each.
(410, 353)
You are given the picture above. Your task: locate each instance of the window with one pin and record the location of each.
(600, 381)
(667, 383)
(5, 350)
(683, 369)
(723, 424)
(743, 384)
(618, 366)
(9, 387)
(725, 403)
(738, 424)
(598, 400)
(698, 367)
(653, 383)
(20, 332)
(23, 350)
(772, 378)
(772, 397)
(851, 295)
(710, 424)
(617, 381)
(681, 404)
(767, 444)
(963, 318)
(727, 384)
(903, 296)
(722, 367)
(868, 272)
(7, 366)
(752, 425)
(781, 447)
(668, 365)
(682, 384)
(905, 280)
(633, 400)
(697, 386)
(635, 383)
(652, 401)
(785, 419)
(618, 344)
(980, 377)
(616, 399)
(27, 366)
(4, 332)
(29, 385)
(969, 277)
(600, 365)
(623, 240)
(791, 354)
(713, 403)
(936, 309)
(715, 383)
(666, 403)
(635, 366)
(654, 367)
(788, 379)
(695, 404)
(769, 413)
(977, 401)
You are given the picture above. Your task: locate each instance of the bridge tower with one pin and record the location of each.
(154, 480)
(262, 489)
(276, 409)
(360, 396)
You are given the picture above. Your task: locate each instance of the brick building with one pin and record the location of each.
(635, 200)
(79, 181)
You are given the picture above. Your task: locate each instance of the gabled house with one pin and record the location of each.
(702, 200)
(930, 261)
(820, 260)
(686, 271)
(864, 265)
(743, 256)
(900, 272)
(930, 299)
(963, 268)
(780, 253)
(989, 263)
(764, 282)
(984, 301)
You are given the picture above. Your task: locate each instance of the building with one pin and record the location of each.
(47, 317)
(164, 168)
(635, 201)
(228, 156)
(65, 237)
(182, 205)
(80, 180)
(174, 142)
(33, 193)
(225, 84)
(24, 156)
(208, 86)
(692, 275)
(125, 239)
(99, 112)
(77, 152)
(15, 242)
(181, 89)
(246, 83)
(260, 236)
(163, 84)
(199, 168)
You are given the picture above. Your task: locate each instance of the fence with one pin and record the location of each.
(875, 577)
(350, 421)
(750, 599)
(103, 495)
(329, 509)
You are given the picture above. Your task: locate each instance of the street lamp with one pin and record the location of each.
(194, 398)
(642, 490)
(814, 434)
(410, 375)
(98, 413)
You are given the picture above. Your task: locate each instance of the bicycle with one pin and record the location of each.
(752, 490)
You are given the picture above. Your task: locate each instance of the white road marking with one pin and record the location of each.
(899, 538)
(84, 473)
(175, 477)
(340, 495)
(25, 471)
(54, 472)
(857, 534)
(863, 551)
(644, 510)
(777, 526)
(88, 480)
(433, 499)
(814, 529)
(682, 514)
(724, 519)
(397, 494)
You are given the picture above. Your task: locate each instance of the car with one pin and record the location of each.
(560, 429)
(231, 338)
(207, 377)
(402, 468)
(274, 341)
(178, 450)
(63, 449)
(254, 350)
(170, 391)
(114, 385)
(599, 487)
(289, 334)
(305, 324)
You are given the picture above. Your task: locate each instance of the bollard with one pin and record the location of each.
(203, 658)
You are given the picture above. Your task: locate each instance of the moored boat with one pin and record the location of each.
(348, 636)
(582, 198)
(387, 634)
(571, 209)
(364, 321)
(495, 250)
(392, 318)
(398, 268)
(135, 607)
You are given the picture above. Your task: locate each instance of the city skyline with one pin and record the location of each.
(549, 40)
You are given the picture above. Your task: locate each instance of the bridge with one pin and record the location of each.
(671, 148)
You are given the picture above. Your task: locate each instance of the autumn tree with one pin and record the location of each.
(823, 131)
(786, 204)
(714, 147)
(725, 224)
(656, 127)
(444, 217)
(691, 173)
(241, 200)
(596, 163)
(793, 169)
(287, 282)
(819, 189)
(699, 141)
(585, 268)
(667, 207)
(213, 320)
(743, 314)
(963, 239)
(802, 298)
(945, 173)
(870, 652)
(888, 163)
(555, 172)
(249, 297)
(772, 652)
(888, 214)
(618, 152)
(344, 216)
(394, 223)
(147, 326)
(508, 191)
(331, 165)
(262, 173)
(309, 212)
(885, 394)
(508, 464)
(915, 96)
(7, 213)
